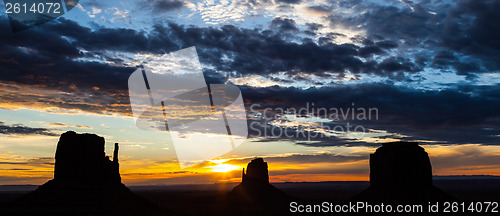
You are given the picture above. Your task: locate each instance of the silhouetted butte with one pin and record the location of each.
(255, 195)
(401, 172)
(86, 182)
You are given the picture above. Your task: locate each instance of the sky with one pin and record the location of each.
(424, 71)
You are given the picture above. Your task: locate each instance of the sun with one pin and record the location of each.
(224, 167)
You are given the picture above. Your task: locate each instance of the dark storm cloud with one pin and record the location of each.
(284, 24)
(466, 114)
(212, 77)
(290, 1)
(51, 56)
(44, 56)
(59, 44)
(102, 39)
(473, 30)
(272, 134)
(266, 51)
(465, 29)
(19, 129)
(162, 5)
(253, 51)
(263, 52)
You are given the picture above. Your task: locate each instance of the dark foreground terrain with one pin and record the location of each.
(210, 199)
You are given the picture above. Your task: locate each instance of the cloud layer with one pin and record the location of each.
(75, 67)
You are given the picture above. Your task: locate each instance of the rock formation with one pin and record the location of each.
(255, 195)
(82, 157)
(400, 164)
(401, 172)
(257, 172)
(85, 182)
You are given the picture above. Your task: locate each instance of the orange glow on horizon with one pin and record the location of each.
(224, 168)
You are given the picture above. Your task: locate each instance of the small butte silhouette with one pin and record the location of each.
(255, 195)
(86, 182)
(255, 186)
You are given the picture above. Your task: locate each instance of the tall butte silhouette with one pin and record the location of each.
(255, 195)
(401, 172)
(86, 182)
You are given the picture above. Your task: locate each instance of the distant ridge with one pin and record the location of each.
(462, 177)
(30, 187)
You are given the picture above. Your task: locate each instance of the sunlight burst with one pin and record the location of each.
(224, 168)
